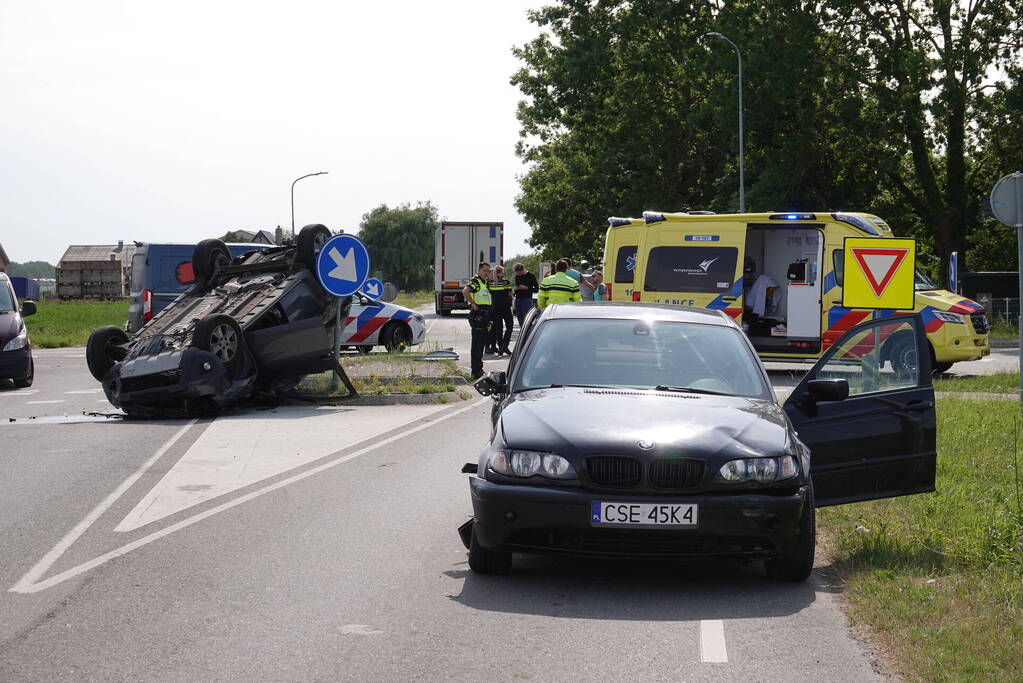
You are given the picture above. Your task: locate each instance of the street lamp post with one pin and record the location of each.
(308, 175)
(742, 170)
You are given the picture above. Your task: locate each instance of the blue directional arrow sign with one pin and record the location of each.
(342, 265)
(373, 288)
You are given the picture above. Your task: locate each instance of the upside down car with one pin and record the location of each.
(253, 323)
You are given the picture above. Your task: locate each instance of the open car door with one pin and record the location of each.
(877, 439)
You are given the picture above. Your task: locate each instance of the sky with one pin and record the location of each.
(179, 121)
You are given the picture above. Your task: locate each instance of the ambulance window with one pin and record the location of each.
(690, 269)
(625, 264)
(838, 258)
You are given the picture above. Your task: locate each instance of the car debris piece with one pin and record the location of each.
(246, 326)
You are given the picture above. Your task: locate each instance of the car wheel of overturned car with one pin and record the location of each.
(104, 348)
(396, 336)
(311, 239)
(486, 561)
(208, 257)
(222, 336)
(26, 381)
(797, 565)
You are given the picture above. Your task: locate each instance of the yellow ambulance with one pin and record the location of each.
(780, 276)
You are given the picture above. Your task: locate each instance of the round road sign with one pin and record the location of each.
(342, 265)
(1007, 200)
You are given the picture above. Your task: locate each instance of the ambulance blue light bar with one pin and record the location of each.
(793, 217)
(619, 222)
(652, 217)
(856, 222)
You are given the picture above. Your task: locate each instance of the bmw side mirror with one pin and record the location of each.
(820, 390)
(494, 383)
(28, 308)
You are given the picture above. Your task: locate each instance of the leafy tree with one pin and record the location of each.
(32, 269)
(400, 242)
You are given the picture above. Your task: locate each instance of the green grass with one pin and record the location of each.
(414, 299)
(998, 383)
(69, 323)
(1003, 330)
(939, 576)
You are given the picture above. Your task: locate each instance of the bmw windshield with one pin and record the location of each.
(638, 354)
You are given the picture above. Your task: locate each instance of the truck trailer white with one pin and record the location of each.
(460, 247)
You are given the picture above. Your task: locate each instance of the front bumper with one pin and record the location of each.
(168, 380)
(15, 364)
(536, 519)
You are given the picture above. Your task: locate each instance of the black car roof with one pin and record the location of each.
(628, 310)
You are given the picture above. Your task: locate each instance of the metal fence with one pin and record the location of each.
(1005, 309)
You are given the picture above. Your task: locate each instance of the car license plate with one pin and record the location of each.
(659, 515)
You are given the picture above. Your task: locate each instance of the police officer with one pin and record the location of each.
(558, 288)
(501, 291)
(477, 293)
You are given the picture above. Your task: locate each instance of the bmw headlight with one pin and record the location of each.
(763, 470)
(19, 342)
(948, 317)
(529, 463)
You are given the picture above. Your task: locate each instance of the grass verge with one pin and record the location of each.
(414, 299)
(998, 383)
(69, 323)
(939, 576)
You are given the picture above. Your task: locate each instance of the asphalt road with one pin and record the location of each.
(319, 543)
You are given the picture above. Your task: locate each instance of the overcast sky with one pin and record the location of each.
(179, 121)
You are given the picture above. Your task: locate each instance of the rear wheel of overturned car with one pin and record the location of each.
(26, 381)
(486, 561)
(222, 336)
(104, 348)
(798, 563)
(396, 336)
(208, 257)
(311, 239)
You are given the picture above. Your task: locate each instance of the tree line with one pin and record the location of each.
(906, 109)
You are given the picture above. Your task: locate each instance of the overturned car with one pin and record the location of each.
(252, 324)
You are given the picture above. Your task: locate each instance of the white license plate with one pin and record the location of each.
(660, 515)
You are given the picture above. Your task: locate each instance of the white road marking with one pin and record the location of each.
(238, 451)
(712, 641)
(25, 583)
(28, 583)
(86, 391)
(19, 392)
(35, 403)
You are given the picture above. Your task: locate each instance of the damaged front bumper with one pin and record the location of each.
(172, 381)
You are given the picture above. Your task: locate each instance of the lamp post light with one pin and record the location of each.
(742, 170)
(308, 175)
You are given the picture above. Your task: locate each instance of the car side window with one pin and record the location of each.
(300, 303)
(838, 260)
(881, 357)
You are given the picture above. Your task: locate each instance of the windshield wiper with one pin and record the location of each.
(690, 390)
(562, 386)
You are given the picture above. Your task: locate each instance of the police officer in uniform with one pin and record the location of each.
(477, 293)
(501, 291)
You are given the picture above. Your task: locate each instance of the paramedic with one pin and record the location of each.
(558, 288)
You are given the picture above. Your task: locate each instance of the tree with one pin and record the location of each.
(32, 269)
(400, 242)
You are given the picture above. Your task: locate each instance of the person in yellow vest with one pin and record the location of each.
(558, 288)
(481, 302)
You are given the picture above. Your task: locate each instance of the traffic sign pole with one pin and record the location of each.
(1007, 206)
(342, 266)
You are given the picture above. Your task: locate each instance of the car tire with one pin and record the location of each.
(902, 355)
(940, 368)
(222, 336)
(310, 240)
(486, 561)
(445, 312)
(104, 348)
(363, 350)
(798, 564)
(208, 257)
(26, 381)
(396, 336)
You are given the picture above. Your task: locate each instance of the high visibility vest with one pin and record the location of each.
(480, 292)
(558, 289)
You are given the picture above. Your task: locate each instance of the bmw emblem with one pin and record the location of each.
(646, 445)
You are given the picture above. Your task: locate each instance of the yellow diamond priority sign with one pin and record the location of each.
(879, 273)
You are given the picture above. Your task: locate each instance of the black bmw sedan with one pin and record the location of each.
(624, 429)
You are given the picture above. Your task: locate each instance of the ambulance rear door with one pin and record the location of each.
(621, 257)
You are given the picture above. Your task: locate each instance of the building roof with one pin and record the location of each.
(98, 252)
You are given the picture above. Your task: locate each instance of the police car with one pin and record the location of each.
(372, 323)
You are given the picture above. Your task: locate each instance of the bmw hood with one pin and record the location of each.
(576, 421)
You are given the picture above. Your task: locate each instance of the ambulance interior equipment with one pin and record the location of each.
(782, 295)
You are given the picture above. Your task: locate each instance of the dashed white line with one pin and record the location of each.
(712, 641)
(86, 391)
(34, 403)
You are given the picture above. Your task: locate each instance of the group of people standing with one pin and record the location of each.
(493, 298)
